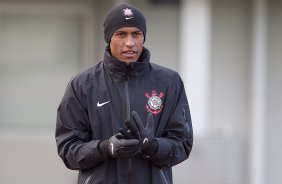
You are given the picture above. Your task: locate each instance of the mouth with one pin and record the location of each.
(129, 53)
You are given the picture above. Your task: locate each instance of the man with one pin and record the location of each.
(124, 120)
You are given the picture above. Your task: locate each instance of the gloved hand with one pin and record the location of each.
(131, 133)
(145, 134)
(118, 147)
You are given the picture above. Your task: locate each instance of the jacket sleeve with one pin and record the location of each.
(73, 132)
(176, 141)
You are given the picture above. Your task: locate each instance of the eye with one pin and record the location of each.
(137, 34)
(120, 34)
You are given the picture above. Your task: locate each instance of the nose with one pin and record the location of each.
(129, 41)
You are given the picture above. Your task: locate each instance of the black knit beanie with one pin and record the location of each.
(123, 15)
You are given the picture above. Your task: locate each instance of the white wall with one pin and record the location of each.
(162, 37)
(29, 157)
(41, 47)
(230, 72)
(273, 146)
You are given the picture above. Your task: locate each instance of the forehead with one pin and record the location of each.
(128, 29)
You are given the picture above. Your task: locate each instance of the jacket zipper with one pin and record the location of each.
(127, 96)
(163, 177)
(128, 117)
(88, 178)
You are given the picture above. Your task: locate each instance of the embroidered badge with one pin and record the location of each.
(155, 103)
(127, 12)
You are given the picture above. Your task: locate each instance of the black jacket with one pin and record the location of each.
(99, 100)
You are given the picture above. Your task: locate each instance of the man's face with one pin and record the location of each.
(127, 44)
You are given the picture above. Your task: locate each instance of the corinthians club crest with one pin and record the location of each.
(155, 103)
(127, 12)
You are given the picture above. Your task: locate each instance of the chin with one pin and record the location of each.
(128, 61)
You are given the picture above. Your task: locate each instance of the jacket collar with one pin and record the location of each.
(120, 67)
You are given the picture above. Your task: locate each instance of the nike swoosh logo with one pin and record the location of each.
(127, 18)
(145, 140)
(101, 104)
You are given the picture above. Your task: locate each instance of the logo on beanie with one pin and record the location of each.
(155, 103)
(128, 13)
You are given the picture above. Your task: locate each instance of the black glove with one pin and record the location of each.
(119, 148)
(149, 144)
(131, 133)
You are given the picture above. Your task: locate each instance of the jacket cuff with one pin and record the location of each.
(103, 148)
(90, 155)
(163, 149)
